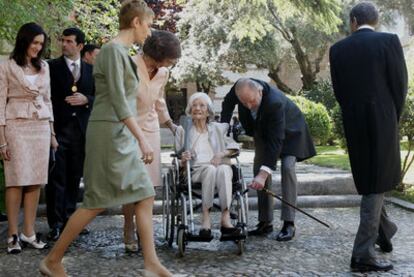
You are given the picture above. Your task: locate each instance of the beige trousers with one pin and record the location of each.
(210, 178)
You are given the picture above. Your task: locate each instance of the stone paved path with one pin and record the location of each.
(316, 250)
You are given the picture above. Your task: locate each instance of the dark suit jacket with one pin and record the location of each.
(369, 78)
(279, 123)
(61, 82)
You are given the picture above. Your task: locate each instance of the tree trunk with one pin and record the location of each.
(308, 76)
(274, 75)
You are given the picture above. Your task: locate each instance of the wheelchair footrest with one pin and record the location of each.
(191, 237)
(232, 237)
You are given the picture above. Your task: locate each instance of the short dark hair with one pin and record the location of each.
(79, 35)
(24, 38)
(364, 13)
(89, 48)
(162, 45)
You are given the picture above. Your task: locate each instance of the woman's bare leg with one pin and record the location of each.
(129, 226)
(31, 196)
(75, 225)
(143, 215)
(13, 202)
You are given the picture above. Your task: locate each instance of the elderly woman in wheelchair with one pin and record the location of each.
(209, 150)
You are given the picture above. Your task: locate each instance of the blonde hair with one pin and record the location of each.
(131, 9)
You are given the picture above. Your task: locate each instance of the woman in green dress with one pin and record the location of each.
(116, 149)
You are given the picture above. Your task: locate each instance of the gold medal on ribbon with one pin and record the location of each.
(74, 88)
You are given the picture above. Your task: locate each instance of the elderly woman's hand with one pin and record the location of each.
(185, 156)
(218, 158)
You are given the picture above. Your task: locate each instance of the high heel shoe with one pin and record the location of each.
(44, 270)
(33, 242)
(131, 247)
(13, 245)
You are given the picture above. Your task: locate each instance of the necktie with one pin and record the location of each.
(75, 71)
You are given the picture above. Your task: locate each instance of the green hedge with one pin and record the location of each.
(317, 118)
(323, 93)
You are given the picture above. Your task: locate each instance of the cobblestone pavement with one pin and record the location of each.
(316, 250)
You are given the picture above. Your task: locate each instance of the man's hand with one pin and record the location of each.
(259, 181)
(77, 99)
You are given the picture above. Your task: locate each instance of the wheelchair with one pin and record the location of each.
(179, 202)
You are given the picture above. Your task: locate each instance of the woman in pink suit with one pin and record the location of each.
(159, 52)
(26, 132)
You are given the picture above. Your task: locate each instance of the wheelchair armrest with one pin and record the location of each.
(234, 155)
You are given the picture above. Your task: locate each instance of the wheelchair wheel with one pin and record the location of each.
(166, 208)
(173, 207)
(181, 242)
(240, 246)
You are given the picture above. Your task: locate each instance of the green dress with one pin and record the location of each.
(114, 173)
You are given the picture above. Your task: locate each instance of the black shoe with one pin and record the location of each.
(205, 233)
(286, 233)
(262, 228)
(369, 264)
(53, 234)
(3, 217)
(384, 243)
(84, 232)
(231, 231)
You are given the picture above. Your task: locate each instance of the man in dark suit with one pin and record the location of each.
(369, 78)
(72, 90)
(279, 130)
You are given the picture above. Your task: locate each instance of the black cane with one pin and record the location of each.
(291, 205)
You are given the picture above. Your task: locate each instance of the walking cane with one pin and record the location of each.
(187, 122)
(290, 205)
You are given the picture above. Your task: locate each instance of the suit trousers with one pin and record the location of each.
(210, 178)
(62, 189)
(289, 186)
(374, 221)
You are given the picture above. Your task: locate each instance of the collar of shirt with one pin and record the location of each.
(69, 62)
(366, 26)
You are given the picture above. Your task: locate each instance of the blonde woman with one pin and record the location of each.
(116, 149)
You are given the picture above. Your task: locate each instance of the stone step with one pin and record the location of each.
(312, 180)
(305, 201)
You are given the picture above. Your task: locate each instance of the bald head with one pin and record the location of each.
(249, 93)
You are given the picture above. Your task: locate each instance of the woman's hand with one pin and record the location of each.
(5, 153)
(218, 159)
(147, 152)
(185, 156)
(54, 143)
(170, 124)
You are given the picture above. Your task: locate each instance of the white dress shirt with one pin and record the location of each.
(366, 26)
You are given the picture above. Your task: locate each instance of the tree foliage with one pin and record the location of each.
(53, 15)
(260, 32)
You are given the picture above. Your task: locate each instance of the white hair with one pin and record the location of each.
(205, 98)
(243, 82)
